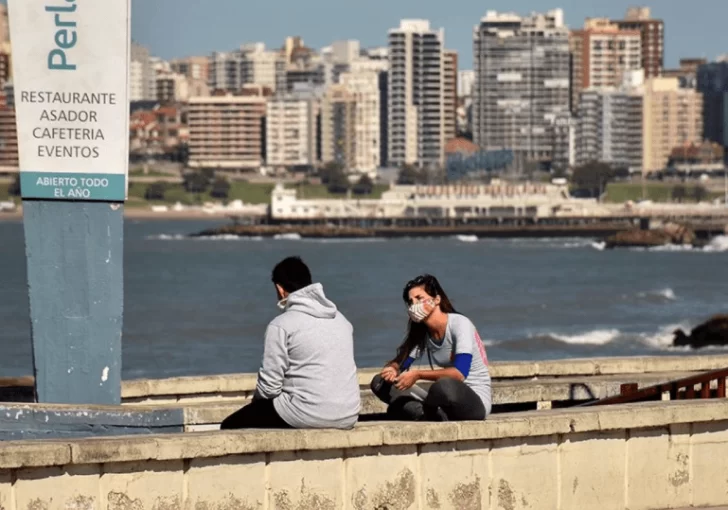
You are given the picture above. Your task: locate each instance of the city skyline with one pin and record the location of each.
(694, 29)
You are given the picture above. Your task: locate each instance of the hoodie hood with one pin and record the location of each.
(312, 301)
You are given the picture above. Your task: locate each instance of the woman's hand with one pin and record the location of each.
(407, 380)
(389, 373)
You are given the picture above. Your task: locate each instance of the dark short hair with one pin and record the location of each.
(292, 274)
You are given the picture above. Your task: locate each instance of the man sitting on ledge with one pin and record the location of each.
(308, 378)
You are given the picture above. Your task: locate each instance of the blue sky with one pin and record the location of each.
(177, 28)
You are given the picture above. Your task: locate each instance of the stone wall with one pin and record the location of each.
(645, 456)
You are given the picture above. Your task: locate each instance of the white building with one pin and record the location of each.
(416, 95)
(263, 67)
(172, 87)
(142, 79)
(364, 86)
(466, 82)
(496, 200)
(291, 134)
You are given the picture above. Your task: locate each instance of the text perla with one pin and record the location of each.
(65, 36)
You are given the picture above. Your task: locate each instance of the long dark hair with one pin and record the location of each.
(417, 332)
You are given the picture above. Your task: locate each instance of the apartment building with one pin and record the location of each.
(653, 38)
(226, 71)
(142, 80)
(172, 87)
(416, 131)
(226, 131)
(292, 129)
(338, 127)
(450, 94)
(712, 82)
(601, 54)
(522, 72)
(672, 117)
(8, 140)
(262, 67)
(609, 127)
(380, 67)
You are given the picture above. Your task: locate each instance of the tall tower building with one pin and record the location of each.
(416, 95)
(451, 94)
(4, 26)
(653, 38)
(712, 82)
(338, 127)
(141, 75)
(522, 73)
(601, 54)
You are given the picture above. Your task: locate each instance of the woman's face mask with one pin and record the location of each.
(418, 312)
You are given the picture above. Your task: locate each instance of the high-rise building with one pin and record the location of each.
(416, 95)
(609, 127)
(172, 87)
(338, 127)
(6, 67)
(450, 93)
(8, 139)
(601, 54)
(653, 38)
(226, 131)
(672, 117)
(263, 67)
(4, 25)
(292, 132)
(226, 71)
(522, 73)
(193, 68)
(362, 86)
(380, 66)
(687, 73)
(141, 75)
(466, 82)
(712, 82)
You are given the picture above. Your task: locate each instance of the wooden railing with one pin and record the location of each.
(711, 385)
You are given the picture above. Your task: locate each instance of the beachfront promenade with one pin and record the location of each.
(639, 456)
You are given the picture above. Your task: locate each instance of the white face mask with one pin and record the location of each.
(283, 303)
(417, 311)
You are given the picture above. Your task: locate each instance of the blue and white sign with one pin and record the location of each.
(71, 82)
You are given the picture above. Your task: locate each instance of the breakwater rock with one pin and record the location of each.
(713, 332)
(670, 234)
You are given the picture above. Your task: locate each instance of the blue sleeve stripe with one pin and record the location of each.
(407, 363)
(462, 362)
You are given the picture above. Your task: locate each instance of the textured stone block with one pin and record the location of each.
(658, 468)
(57, 488)
(307, 480)
(145, 485)
(455, 476)
(593, 471)
(710, 463)
(384, 477)
(524, 473)
(229, 482)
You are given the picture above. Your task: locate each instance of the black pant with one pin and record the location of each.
(446, 400)
(259, 414)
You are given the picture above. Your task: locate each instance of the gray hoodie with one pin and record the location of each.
(308, 365)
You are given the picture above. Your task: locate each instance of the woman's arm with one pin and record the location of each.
(436, 375)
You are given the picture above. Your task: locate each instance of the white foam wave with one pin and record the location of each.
(222, 237)
(662, 338)
(467, 239)
(347, 240)
(287, 237)
(167, 237)
(596, 337)
(599, 246)
(666, 294)
(718, 244)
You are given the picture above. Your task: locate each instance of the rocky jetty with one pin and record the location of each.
(674, 234)
(714, 332)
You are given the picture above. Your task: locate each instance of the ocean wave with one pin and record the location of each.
(467, 239)
(662, 295)
(663, 337)
(596, 337)
(718, 244)
(599, 246)
(222, 237)
(287, 237)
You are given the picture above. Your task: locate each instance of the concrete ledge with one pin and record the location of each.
(375, 434)
(41, 421)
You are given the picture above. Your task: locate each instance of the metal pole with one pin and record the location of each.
(72, 61)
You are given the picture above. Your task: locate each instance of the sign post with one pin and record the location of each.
(70, 73)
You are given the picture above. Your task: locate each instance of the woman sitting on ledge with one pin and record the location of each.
(461, 389)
